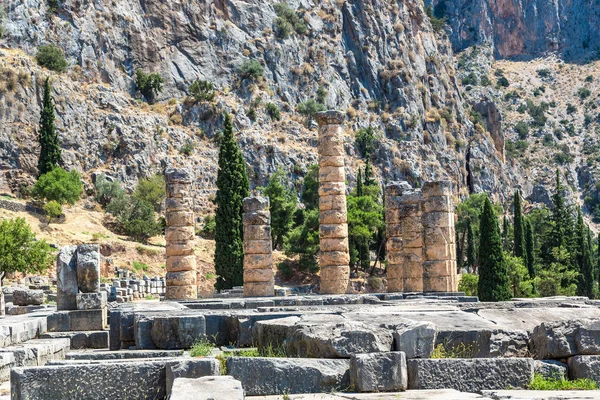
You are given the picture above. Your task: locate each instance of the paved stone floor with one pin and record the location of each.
(446, 394)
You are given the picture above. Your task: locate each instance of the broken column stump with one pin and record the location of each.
(259, 279)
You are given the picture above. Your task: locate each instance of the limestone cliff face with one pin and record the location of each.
(525, 29)
(380, 62)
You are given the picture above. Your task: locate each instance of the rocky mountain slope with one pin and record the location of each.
(381, 62)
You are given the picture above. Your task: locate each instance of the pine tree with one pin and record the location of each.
(505, 233)
(562, 233)
(519, 229)
(494, 284)
(359, 184)
(50, 153)
(586, 274)
(529, 247)
(232, 188)
(471, 251)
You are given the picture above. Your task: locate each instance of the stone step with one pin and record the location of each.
(123, 354)
(82, 339)
(36, 352)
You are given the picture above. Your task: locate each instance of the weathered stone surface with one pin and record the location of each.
(320, 338)
(332, 174)
(207, 388)
(258, 275)
(131, 380)
(551, 369)
(88, 268)
(332, 189)
(331, 161)
(330, 117)
(271, 376)
(257, 247)
(91, 301)
(415, 339)
(178, 175)
(333, 231)
(332, 203)
(180, 278)
(28, 297)
(562, 339)
(333, 258)
(195, 368)
(470, 375)
(257, 232)
(181, 235)
(181, 204)
(379, 372)
(257, 218)
(178, 332)
(180, 218)
(186, 292)
(82, 340)
(179, 249)
(181, 263)
(585, 367)
(438, 188)
(66, 276)
(334, 244)
(88, 320)
(332, 217)
(256, 203)
(258, 261)
(259, 289)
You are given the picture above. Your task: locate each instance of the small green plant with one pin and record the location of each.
(59, 185)
(468, 283)
(51, 57)
(149, 85)
(201, 348)
(251, 69)
(366, 141)
(139, 266)
(583, 93)
(149, 297)
(187, 149)
(273, 111)
(522, 129)
(53, 6)
(288, 21)
(460, 350)
(96, 236)
(502, 81)
(309, 108)
(146, 250)
(437, 23)
(543, 72)
(285, 270)
(202, 90)
(210, 275)
(53, 210)
(541, 383)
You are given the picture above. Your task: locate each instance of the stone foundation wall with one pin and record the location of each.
(181, 261)
(334, 258)
(259, 279)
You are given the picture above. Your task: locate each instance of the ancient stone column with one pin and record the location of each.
(439, 246)
(404, 238)
(259, 279)
(181, 261)
(334, 258)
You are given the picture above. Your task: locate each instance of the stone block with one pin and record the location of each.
(333, 258)
(379, 372)
(181, 263)
(413, 284)
(395, 285)
(88, 320)
(178, 332)
(395, 271)
(331, 161)
(259, 289)
(333, 231)
(82, 340)
(257, 218)
(562, 339)
(438, 188)
(551, 369)
(7, 362)
(187, 292)
(331, 146)
(332, 217)
(332, 189)
(66, 278)
(258, 261)
(131, 380)
(330, 117)
(182, 234)
(257, 232)
(59, 322)
(256, 203)
(179, 190)
(334, 244)
(257, 247)
(585, 367)
(435, 235)
(178, 175)
(438, 204)
(329, 273)
(277, 376)
(207, 388)
(181, 204)
(28, 297)
(88, 268)
(181, 278)
(438, 219)
(440, 284)
(332, 203)
(470, 375)
(432, 269)
(258, 275)
(195, 368)
(415, 339)
(397, 189)
(334, 286)
(180, 249)
(332, 174)
(91, 301)
(180, 218)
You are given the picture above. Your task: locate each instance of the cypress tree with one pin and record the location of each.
(529, 247)
(232, 188)
(50, 153)
(519, 229)
(586, 274)
(505, 233)
(471, 251)
(494, 284)
(359, 184)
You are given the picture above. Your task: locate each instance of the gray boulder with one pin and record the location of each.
(88, 268)
(470, 375)
(177, 332)
(194, 368)
(551, 369)
(415, 339)
(66, 279)
(277, 376)
(379, 372)
(91, 301)
(207, 388)
(585, 367)
(562, 339)
(28, 297)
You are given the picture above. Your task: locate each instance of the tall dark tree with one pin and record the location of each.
(232, 188)
(530, 248)
(505, 233)
(586, 273)
(50, 153)
(519, 229)
(471, 250)
(359, 184)
(494, 284)
(283, 203)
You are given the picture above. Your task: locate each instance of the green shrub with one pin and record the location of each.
(309, 108)
(571, 109)
(251, 113)
(485, 81)
(522, 129)
(502, 81)
(251, 69)
(366, 141)
(273, 112)
(541, 383)
(149, 85)
(285, 270)
(201, 348)
(583, 93)
(151, 191)
(538, 112)
(543, 72)
(459, 350)
(20, 251)
(135, 217)
(51, 57)
(436, 23)
(107, 191)
(59, 185)
(187, 149)
(202, 90)
(208, 230)
(139, 266)
(2, 30)
(468, 283)
(589, 78)
(53, 5)
(53, 210)
(470, 79)
(287, 21)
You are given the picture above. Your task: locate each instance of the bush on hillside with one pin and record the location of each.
(59, 185)
(51, 57)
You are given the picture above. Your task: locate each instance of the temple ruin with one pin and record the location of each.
(259, 279)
